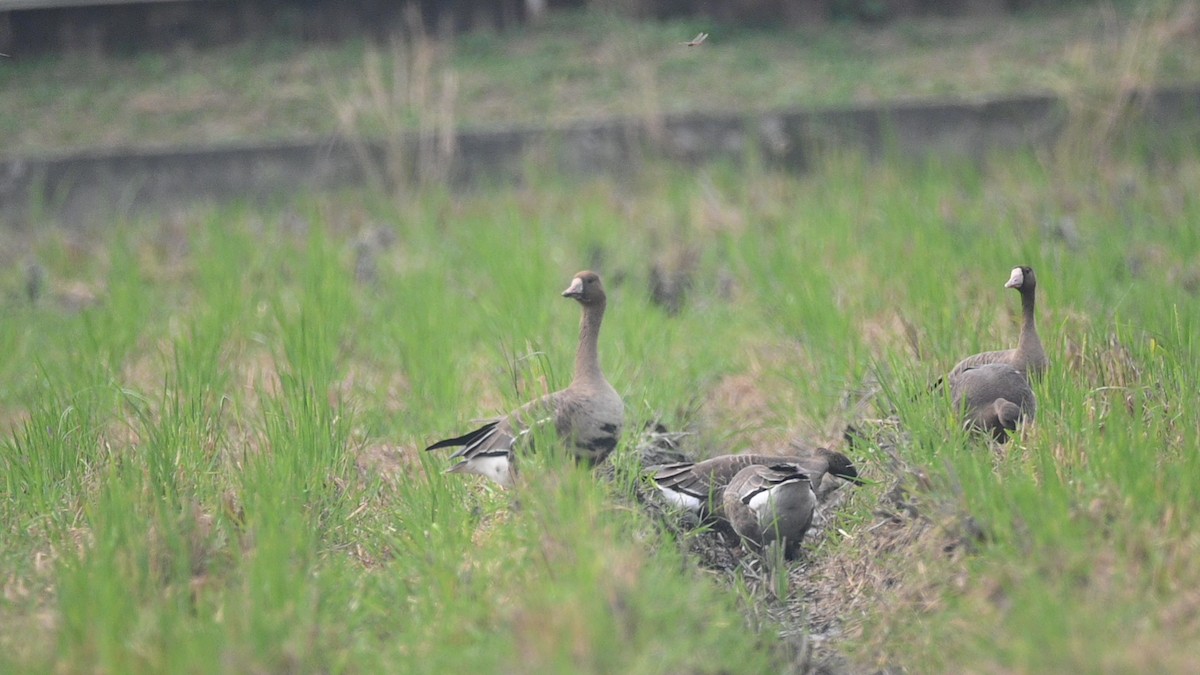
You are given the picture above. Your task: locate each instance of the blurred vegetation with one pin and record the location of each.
(577, 66)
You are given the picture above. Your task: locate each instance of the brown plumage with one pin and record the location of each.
(993, 397)
(588, 415)
(1028, 356)
(699, 486)
(770, 506)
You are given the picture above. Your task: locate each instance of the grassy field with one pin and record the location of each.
(210, 423)
(210, 420)
(579, 66)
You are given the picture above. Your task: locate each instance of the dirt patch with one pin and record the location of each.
(388, 386)
(747, 405)
(741, 399)
(13, 419)
(256, 370)
(387, 461)
(891, 333)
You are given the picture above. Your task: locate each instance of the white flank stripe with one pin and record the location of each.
(681, 499)
(760, 501)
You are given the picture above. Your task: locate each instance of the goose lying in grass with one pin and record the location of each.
(1028, 356)
(993, 397)
(587, 415)
(770, 506)
(699, 486)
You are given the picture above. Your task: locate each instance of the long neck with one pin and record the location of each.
(1029, 337)
(587, 358)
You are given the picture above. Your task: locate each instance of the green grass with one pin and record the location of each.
(581, 66)
(215, 466)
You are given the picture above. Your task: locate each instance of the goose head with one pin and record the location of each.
(840, 465)
(585, 289)
(1007, 413)
(1005, 416)
(1022, 279)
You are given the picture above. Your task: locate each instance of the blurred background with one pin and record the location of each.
(257, 97)
(137, 24)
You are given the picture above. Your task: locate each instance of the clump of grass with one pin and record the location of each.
(405, 99)
(1106, 90)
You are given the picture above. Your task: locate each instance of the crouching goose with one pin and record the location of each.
(1029, 356)
(993, 397)
(587, 415)
(770, 506)
(699, 486)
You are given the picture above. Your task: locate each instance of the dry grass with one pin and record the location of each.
(1104, 84)
(402, 87)
(900, 564)
(583, 66)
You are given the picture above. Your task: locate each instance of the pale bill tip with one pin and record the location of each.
(575, 289)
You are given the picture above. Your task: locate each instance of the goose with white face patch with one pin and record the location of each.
(770, 506)
(1029, 356)
(588, 415)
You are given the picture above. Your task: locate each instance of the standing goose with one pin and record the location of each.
(770, 506)
(1029, 356)
(699, 486)
(993, 397)
(588, 414)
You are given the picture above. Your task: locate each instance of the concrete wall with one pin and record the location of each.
(97, 185)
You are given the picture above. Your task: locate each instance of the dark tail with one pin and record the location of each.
(465, 439)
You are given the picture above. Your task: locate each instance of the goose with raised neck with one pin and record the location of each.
(588, 415)
(587, 290)
(1029, 356)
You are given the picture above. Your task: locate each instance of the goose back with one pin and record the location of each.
(770, 506)
(994, 397)
(699, 486)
